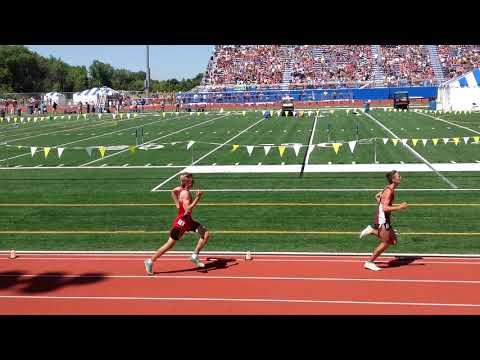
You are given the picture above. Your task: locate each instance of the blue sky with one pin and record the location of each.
(166, 61)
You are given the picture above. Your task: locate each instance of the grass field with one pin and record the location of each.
(107, 204)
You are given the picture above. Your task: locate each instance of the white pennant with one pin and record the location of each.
(33, 149)
(352, 144)
(267, 149)
(128, 116)
(114, 115)
(296, 148)
(249, 149)
(385, 140)
(465, 139)
(404, 141)
(89, 151)
(424, 141)
(310, 148)
(60, 151)
(445, 140)
(190, 143)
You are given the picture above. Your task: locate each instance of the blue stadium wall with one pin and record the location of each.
(231, 95)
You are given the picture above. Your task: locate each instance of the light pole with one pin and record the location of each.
(147, 80)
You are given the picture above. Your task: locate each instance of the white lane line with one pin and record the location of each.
(150, 141)
(249, 277)
(255, 300)
(207, 154)
(451, 184)
(311, 141)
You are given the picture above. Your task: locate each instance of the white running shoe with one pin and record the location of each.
(367, 231)
(196, 261)
(149, 266)
(371, 266)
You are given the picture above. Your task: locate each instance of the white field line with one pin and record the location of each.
(448, 122)
(91, 137)
(273, 254)
(250, 277)
(207, 154)
(254, 300)
(150, 141)
(451, 184)
(311, 141)
(320, 190)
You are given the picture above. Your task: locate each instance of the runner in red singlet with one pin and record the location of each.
(382, 227)
(182, 223)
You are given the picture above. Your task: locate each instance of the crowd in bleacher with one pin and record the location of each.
(330, 66)
(409, 65)
(458, 59)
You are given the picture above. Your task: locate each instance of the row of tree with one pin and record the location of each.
(24, 71)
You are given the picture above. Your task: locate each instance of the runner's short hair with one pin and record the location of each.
(185, 178)
(390, 175)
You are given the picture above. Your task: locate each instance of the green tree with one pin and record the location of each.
(101, 74)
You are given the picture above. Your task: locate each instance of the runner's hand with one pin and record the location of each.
(199, 193)
(403, 205)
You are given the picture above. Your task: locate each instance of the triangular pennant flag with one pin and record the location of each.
(347, 110)
(465, 139)
(445, 140)
(102, 150)
(89, 151)
(60, 152)
(121, 116)
(332, 111)
(294, 113)
(114, 116)
(271, 113)
(424, 141)
(128, 116)
(15, 120)
(132, 148)
(352, 144)
(385, 140)
(281, 150)
(395, 142)
(279, 112)
(404, 141)
(33, 149)
(99, 116)
(28, 120)
(235, 147)
(296, 148)
(309, 113)
(198, 113)
(414, 141)
(135, 115)
(69, 117)
(46, 150)
(456, 140)
(476, 138)
(310, 148)
(174, 143)
(267, 149)
(78, 116)
(336, 147)
(249, 149)
(190, 143)
(55, 117)
(244, 113)
(435, 142)
(84, 116)
(301, 113)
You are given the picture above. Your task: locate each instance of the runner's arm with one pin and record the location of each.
(175, 192)
(187, 205)
(385, 201)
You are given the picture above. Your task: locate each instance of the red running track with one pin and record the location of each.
(275, 284)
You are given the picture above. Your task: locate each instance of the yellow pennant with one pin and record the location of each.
(244, 113)
(132, 148)
(235, 147)
(456, 140)
(121, 116)
(102, 150)
(1, 120)
(164, 114)
(14, 119)
(435, 142)
(84, 116)
(28, 120)
(414, 141)
(336, 147)
(135, 115)
(281, 150)
(395, 142)
(301, 113)
(19, 147)
(476, 138)
(46, 150)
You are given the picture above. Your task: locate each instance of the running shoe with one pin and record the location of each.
(196, 261)
(371, 266)
(367, 231)
(149, 266)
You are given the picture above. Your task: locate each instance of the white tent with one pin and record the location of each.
(94, 96)
(461, 93)
(55, 97)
